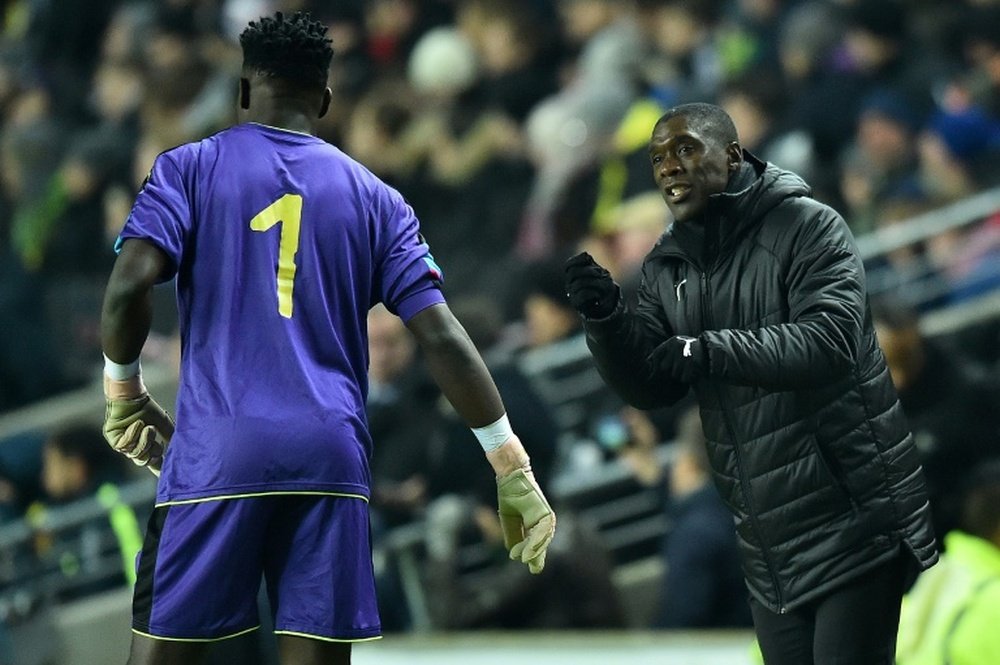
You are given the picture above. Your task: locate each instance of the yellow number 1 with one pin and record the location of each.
(288, 211)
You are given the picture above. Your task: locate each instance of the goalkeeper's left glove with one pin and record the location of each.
(134, 424)
(525, 515)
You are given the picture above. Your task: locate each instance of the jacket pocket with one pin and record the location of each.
(835, 473)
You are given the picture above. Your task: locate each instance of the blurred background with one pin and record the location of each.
(517, 129)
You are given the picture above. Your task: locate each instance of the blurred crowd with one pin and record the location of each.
(517, 129)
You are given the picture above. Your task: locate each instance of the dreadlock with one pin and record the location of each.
(295, 49)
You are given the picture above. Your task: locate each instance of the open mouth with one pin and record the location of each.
(678, 193)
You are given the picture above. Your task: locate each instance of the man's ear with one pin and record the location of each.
(324, 106)
(244, 93)
(734, 155)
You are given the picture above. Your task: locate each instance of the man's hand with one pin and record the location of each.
(526, 518)
(590, 288)
(134, 424)
(685, 359)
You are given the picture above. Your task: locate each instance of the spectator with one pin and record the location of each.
(402, 421)
(954, 424)
(957, 153)
(451, 466)
(951, 614)
(686, 65)
(20, 473)
(873, 55)
(623, 170)
(560, 369)
(755, 101)
(567, 133)
(908, 274)
(635, 226)
(470, 157)
(703, 586)
(572, 592)
(77, 464)
(880, 163)
(749, 36)
(401, 418)
(511, 41)
(63, 36)
(978, 83)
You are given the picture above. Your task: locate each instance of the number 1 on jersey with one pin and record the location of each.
(288, 211)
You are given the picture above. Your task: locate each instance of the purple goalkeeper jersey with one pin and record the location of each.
(280, 244)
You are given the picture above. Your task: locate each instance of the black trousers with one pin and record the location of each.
(855, 624)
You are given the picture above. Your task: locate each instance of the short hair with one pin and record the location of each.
(708, 118)
(294, 49)
(86, 443)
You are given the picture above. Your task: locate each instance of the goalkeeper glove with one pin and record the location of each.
(525, 515)
(134, 424)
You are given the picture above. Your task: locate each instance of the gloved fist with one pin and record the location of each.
(526, 518)
(684, 359)
(590, 288)
(134, 424)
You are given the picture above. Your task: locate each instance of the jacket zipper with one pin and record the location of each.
(708, 323)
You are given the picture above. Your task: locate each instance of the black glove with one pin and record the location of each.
(685, 359)
(590, 288)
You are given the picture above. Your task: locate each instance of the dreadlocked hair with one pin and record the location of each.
(295, 48)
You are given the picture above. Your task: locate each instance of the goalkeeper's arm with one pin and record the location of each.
(134, 424)
(528, 521)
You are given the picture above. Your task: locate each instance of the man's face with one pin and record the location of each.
(688, 166)
(904, 355)
(63, 477)
(390, 346)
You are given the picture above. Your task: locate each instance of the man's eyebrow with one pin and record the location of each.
(654, 144)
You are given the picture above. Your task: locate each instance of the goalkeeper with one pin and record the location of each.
(280, 244)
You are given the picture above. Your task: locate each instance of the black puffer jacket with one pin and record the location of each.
(808, 444)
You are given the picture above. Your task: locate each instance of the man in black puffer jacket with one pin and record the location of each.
(755, 297)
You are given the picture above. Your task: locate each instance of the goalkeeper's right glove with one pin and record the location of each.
(525, 515)
(134, 424)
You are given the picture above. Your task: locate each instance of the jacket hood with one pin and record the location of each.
(756, 189)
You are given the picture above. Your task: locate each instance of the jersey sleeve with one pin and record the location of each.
(407, 278)
(161, 213)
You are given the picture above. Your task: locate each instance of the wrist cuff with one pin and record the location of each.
(494, 435)
(131, 388)
(508, 458)
(119, 372)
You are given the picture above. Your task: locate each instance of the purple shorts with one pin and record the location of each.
(201, 564)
